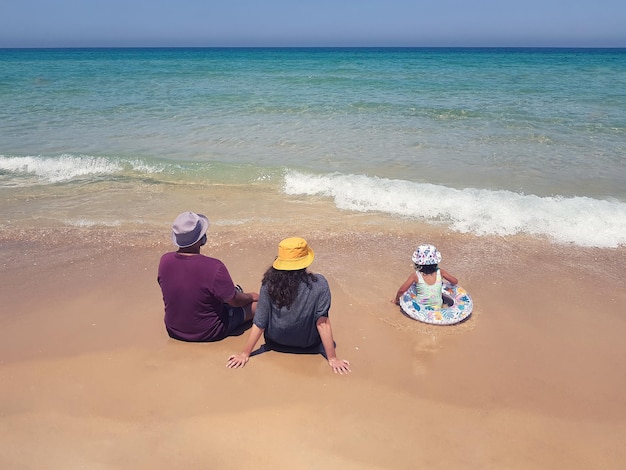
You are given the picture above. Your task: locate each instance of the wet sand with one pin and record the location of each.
(533, 379)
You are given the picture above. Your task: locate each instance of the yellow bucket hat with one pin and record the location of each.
(293, 254)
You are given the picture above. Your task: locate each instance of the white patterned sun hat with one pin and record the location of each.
(426, 254)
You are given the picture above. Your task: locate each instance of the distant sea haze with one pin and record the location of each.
(484, 141)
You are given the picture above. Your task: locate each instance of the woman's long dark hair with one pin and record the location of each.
(282, 286)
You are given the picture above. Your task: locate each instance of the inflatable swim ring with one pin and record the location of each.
(457, 307)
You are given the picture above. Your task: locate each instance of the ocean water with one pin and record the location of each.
(481, 141)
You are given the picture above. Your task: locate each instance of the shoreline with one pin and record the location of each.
(514, 172)
(528, 381)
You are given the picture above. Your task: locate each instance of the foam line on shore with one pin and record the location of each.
(469, 210)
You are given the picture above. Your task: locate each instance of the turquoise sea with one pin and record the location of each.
(482, 141)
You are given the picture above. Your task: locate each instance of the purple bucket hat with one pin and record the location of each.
(188, 228)
(426, 254)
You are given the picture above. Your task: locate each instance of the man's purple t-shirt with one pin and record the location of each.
(195, 288)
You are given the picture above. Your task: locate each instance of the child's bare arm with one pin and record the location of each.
(448, 277)
(404, 287)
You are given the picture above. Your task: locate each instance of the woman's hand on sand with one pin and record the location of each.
(340, 366)
(237, 360)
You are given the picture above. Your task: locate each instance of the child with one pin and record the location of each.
(427, 277)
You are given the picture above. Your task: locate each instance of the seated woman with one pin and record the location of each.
(292, 311)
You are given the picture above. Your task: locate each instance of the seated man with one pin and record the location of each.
(201, 301)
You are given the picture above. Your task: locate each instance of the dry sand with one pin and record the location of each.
(533, 380)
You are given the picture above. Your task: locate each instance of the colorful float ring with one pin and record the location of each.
(460, 308)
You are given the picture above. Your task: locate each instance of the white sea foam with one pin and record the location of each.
(580, 220)
(143, 167)
(67, 167)
(62, 168)
(91, 223)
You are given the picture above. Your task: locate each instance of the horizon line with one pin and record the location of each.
(310, 47)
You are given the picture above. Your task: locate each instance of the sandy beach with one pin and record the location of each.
(511, 160)
(532, 380)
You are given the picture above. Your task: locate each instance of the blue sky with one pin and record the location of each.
(102, 23)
